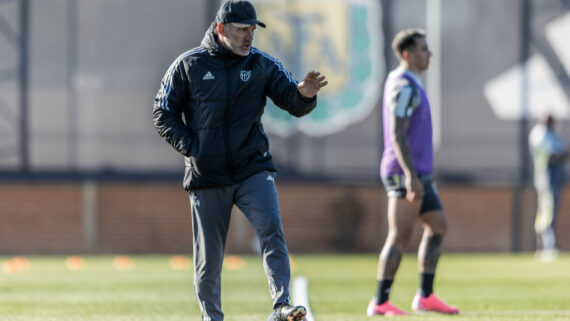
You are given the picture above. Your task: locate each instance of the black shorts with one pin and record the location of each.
(395, 187)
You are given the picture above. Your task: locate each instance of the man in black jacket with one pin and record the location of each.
(209, 109)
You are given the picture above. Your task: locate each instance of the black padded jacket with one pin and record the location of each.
(209, 108)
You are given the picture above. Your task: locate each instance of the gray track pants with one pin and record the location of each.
(256, 197)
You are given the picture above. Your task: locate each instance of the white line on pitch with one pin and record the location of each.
(523, 312)
(301, 295)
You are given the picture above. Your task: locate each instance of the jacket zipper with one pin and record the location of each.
(226, 124)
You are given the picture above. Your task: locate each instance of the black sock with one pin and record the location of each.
(383, 291)
(426, 283)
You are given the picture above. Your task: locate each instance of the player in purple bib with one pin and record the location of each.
(405, 169)
(413, 105)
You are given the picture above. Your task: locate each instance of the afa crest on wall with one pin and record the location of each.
(342, 39)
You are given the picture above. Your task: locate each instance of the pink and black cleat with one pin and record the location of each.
(432, 303)
(385, 308)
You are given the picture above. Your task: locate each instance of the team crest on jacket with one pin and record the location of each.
(244, 75)
(343, 39)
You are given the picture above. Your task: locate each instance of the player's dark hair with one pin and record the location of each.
(405, 40)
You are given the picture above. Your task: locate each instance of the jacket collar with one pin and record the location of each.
(210, 42)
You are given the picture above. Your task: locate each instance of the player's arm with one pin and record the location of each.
(399, 122)
(168, 106)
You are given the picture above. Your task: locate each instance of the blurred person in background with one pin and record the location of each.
(549, 153)
(209, 109)
(405, 169)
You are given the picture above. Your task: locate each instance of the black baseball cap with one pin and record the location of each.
(238, 12)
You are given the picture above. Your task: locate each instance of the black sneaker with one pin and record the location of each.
(286, 312)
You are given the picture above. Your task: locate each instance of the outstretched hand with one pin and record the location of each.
(312, 84)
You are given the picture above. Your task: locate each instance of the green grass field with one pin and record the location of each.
(485, 287)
